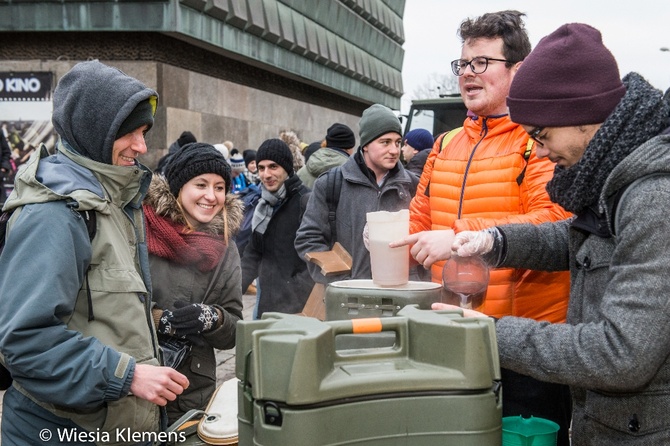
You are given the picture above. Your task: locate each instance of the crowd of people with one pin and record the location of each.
(556, 178)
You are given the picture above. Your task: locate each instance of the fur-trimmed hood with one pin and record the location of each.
(165, 204)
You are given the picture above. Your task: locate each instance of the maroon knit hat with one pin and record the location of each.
(569, 79)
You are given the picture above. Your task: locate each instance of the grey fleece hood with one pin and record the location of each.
(91, 102)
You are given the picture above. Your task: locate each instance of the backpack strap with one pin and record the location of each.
(446, 139)
(91, 223)
(333, 189)
(448, 136)
(90, 220)
(526, 157)
(4, 219)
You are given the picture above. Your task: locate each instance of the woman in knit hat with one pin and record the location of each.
(195, 269)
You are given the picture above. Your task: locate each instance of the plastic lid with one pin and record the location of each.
(369, 284)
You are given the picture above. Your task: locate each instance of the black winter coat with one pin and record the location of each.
(284, 280)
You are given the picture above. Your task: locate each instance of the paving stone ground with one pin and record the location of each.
(225, 359)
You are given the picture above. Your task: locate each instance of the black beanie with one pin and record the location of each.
(185, 138)
(195, 159)
(569, 79)
(313, 147)
(278, 151)
(142, 114)
(340, 136)
(249, 155)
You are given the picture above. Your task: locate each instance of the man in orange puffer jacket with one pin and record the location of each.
(487, 174)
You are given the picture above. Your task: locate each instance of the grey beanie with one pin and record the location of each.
(91, 102)
(376, 121)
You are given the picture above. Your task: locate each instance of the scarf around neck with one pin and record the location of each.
(640, 115)
(172, 241)
(266, 207)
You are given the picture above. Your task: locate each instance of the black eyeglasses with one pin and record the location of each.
(477, 64)
(534, 135)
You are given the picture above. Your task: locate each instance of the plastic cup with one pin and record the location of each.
(465, 280)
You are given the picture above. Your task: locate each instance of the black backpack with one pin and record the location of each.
(90, 220)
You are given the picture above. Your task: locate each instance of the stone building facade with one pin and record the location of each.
(239, 70)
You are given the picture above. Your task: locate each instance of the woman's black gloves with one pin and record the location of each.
(188, 319)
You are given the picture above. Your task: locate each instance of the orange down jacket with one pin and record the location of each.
(472, 185)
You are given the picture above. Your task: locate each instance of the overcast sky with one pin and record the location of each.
(634, 31)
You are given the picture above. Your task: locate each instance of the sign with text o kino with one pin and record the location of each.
(25, 86)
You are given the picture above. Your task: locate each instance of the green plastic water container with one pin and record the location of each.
(438, 384)
(360, 298)
(533, 431)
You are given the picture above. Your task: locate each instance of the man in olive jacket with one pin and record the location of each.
(76, 331)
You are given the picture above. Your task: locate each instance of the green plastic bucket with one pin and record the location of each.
(519, 431)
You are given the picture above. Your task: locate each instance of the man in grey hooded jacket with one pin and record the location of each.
(76, 332)
(610, 141)
(373, 179)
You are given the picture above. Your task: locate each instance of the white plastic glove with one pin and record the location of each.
(470, 243)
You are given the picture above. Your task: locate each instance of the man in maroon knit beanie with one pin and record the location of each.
(609, 141)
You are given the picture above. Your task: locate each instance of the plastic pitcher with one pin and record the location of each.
(390, 266)
(519, 431)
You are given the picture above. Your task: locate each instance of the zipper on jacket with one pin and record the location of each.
(137, 222)
(483, 133)
(91, 316)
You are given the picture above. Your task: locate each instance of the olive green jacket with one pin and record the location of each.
(78, 311)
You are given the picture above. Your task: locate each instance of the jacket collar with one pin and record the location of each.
(123, 185)
(490, 126)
